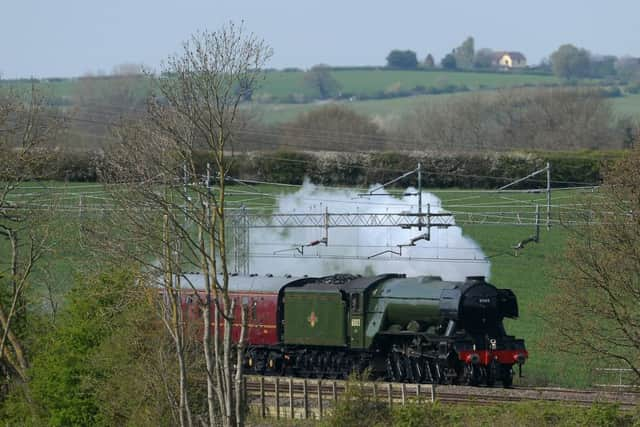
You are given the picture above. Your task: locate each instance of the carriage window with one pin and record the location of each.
(254, 310)
(245, 301)
(355, 302)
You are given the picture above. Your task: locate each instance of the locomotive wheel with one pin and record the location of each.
(341, 367)
(408, 368)
(312, 364)
(417, 368)
(492, 373)
(334, 365)
(274, 364)
(302, 362)
(399, 368)
(437, 379)
(390, 371)
(396, 367)
(507, 376)
(428, 372)
(472, 375)
(257, 361)
(324, 364)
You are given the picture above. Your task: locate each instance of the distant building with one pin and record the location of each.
(509, 60)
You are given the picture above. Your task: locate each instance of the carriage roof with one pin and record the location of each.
(253, 283)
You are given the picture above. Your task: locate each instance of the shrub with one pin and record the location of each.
(288, 167)
(76, 166)
(439, 171)
(357, 407)
(533, 414)
(610, 92)
(633, 88)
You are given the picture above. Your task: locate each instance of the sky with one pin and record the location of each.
(67, 38)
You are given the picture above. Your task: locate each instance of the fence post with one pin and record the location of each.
(333, 392)
(244, 388)
(291, 398)
(305, 399)
(277, 390)
(262, 404)
(403, 390)
(319, 399)
(375, 392)
(620, 379)
(418, 391)
(390, 395)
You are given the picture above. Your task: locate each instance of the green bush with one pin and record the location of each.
(96, 366)
(466, 170)
(525, 414)
(75, 166)
(288, 167)
(357, 407)
(62, 377)
(633, 88)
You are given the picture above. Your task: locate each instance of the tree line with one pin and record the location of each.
(567, 61)
(507, 120)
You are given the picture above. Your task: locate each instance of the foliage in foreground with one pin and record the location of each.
(594, 312)
(360, 410)
(100, 364)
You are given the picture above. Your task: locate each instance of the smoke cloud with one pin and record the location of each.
(362, 250)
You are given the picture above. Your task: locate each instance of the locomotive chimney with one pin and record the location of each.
(475, 280)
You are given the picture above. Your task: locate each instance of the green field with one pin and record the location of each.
(279, 84)
(628, 105)
(385, 109)
(389, 109)
(529, 273)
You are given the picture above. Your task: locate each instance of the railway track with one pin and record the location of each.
(625, 400)
(304, 398)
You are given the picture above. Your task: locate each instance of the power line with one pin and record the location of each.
(365, 258)
(342, 137)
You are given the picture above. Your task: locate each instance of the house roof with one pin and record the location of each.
(515, 56)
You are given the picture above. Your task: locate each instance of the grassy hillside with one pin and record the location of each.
(627, 105)
(280, 85)
(386, 109)
(383, 108)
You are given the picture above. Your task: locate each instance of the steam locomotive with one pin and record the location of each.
(408, 329)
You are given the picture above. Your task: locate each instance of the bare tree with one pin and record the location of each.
(176, 211)
(319, 80)
(27, 125)
(332, 127)
(550, 119)
(596, 310)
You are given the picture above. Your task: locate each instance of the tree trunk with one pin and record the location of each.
(208, 357)
(239, 392)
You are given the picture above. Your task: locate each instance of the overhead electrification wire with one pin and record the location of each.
(340, 137)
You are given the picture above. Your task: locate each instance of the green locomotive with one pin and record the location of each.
(414, 329)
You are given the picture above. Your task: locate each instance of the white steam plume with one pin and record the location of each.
(277, 251)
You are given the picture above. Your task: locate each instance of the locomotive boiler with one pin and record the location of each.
(412, 329)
